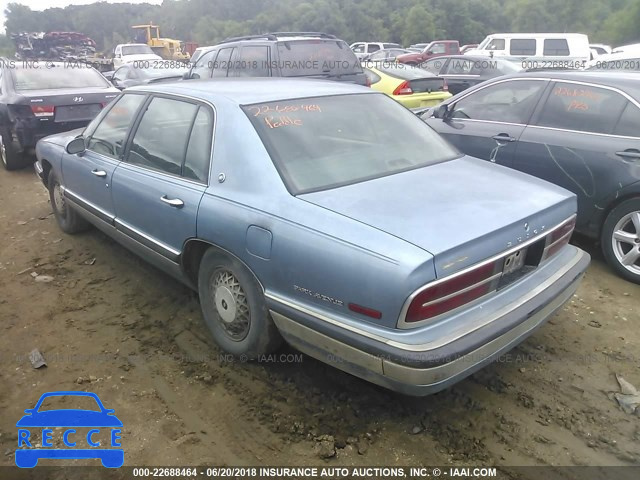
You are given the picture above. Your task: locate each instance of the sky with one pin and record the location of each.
(44, 4)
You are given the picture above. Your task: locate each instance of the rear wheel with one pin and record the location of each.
(234, 308)
(68, 219)
(621, 239)
(12, 159)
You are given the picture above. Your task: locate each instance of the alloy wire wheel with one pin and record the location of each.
(231, 304)
(58, 201)
(3, 153)
(625, 242)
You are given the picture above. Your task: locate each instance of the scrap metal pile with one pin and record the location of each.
(53, 46)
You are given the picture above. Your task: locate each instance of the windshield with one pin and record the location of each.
(326, 142)
(316, 57)
(484, 43)
(57, 77)
(136, 50)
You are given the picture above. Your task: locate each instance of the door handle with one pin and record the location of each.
(174, 202)
(503, 138)
(630, 153)
(99, 173)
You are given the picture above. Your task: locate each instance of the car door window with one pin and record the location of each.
(161, 138)
(523, 46)
(359, 48)
(496, 44)
(373, 47)
(109, 136)
(253, 62)
(629, 121)
(198, 157)
(581, 107)
(510, 101)
(438, 48)
(221, 65)
(204, 64)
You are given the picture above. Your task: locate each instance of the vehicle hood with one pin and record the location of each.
(140, 56)
(63, 138)
(461, 211)
(69, 418)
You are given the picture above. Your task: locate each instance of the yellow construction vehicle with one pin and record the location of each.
(167, 48)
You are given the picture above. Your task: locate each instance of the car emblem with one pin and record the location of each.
(78, 99)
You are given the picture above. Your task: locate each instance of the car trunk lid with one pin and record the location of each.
(461, 211)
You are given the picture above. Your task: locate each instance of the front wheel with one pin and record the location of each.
(234, 308)
(68, 219)
(621, 239)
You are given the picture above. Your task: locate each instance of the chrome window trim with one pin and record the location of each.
(444, 340)
(213, 135)
(489, 121)
(403, 312)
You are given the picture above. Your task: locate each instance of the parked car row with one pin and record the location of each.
(406, 249)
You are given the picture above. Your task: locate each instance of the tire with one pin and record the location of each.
(234, 308)
(12, 159)
(68, 219)
(620, 239)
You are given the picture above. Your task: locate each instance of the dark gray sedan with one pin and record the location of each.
(579, 130)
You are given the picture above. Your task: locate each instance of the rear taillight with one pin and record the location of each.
(558, 238)
(43, 110)
(403, 89)
(455, 291)
(369, 312)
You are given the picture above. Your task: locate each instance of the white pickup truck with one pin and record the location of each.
(133, 52)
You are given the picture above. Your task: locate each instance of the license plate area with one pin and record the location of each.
(514, 262)
(77, 113)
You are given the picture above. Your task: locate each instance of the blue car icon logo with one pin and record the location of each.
(28, 454)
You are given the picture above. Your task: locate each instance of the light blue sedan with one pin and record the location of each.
(325, 214)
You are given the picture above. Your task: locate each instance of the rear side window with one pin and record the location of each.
(196, 163)
(162, 135)
(582, 108)
(253, 62)
(556, 47)
(511, 101)
(316, 57)
(57, 77)
(109, 136)
(523, 46)
(629, 121)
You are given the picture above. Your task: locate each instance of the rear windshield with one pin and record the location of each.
(325, 142)
(136, 50)
(316, 57)
(57, 77)
(405, 72)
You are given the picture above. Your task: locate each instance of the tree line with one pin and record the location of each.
(402, 21)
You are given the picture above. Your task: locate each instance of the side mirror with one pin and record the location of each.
(443, 112)
(76, 146)
(186, 75)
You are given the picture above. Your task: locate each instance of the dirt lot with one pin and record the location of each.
(111, 324)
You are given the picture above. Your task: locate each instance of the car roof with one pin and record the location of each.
(626, 81)
(246, 91)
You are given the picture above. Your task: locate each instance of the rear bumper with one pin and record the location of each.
(423, 369)
(28, 134)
